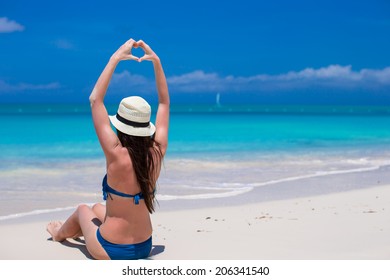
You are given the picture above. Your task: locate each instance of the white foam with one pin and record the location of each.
(316, 174)
(38, 212)
(232, 192)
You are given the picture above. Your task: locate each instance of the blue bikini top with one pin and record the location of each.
(107, 190)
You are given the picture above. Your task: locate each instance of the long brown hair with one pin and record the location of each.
(144, 151)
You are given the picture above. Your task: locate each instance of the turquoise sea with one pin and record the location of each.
(51, 160)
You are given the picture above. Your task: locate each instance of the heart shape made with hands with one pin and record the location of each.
(143, 55)
(137, 52)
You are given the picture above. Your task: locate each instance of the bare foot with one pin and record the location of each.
(53, 228)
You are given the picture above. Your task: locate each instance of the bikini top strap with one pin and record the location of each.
(108, 190)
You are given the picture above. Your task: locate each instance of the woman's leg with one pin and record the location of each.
(100, 212)
(60, 231)
(83, 219)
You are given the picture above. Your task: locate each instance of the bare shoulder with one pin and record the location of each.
(119, 160)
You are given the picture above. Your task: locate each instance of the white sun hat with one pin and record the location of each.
(133, 117)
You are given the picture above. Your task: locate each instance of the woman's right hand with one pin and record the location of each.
(124, 52)
(149, 53)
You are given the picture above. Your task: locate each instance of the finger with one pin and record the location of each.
(132, 57)
(142, 44)
(145, 57)
(131, 41)
(141, 58)
(129, 44)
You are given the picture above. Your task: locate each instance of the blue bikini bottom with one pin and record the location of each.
(125, 251)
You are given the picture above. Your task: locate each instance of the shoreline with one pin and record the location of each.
(248, 187)
(353, 224)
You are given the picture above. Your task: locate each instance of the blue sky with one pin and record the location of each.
(266, 52)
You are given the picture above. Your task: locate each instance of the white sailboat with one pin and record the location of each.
(217, 100)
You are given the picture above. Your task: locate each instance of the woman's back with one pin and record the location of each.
(127, 221)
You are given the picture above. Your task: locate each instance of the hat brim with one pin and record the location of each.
(131, 130)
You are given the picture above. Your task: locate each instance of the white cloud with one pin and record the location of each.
(128, 82)
(332, 76)
(9, 88)
(8, 26)
(197, 81)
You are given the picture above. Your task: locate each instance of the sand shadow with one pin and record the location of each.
(79, 245)
(156, 250)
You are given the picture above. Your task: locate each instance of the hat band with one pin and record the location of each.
(131, 123)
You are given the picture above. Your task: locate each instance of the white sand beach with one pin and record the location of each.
(347, 225)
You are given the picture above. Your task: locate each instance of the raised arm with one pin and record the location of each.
(162, 116)
(107, 137)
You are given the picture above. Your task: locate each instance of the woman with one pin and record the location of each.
(122, 229)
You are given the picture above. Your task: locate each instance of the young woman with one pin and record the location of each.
(122, 228)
